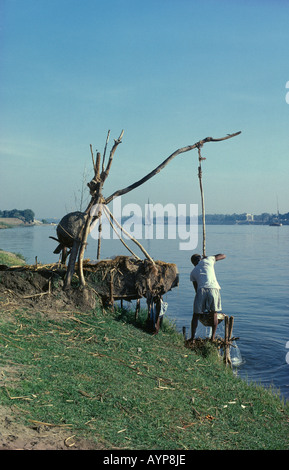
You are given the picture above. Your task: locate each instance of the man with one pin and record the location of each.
(208, 298)
(158, 309)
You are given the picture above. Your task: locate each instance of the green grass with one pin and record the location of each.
(111, 381)
(11, 259)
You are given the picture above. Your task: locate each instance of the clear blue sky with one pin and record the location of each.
(168, 72)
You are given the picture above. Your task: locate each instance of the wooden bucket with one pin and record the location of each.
(207, 319)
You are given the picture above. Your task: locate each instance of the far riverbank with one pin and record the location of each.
(12, 222)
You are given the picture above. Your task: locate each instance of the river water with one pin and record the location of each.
(254, 287)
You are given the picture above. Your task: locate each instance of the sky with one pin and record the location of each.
(168, 73)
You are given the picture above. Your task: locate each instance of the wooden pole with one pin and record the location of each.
(202, 199)
(105, 147)
(137, 308)
(229, 321)
(226, 340)
(126, 233)
(135, 185)
(99, 238)
(110, 218)
(71, 264)
(82, 250)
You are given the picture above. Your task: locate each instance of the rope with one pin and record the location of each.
(202, 198)
(111, 224)
(67, 233)
(105, 208)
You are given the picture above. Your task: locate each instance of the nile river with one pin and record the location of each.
(254, 281)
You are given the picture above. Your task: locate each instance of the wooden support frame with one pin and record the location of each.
(101, 173)
(229, 321)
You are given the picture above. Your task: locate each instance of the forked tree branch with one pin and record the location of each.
(135, 185)
(105, 147)
(105, 173)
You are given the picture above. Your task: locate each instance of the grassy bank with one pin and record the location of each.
(105, 378)
(11, 259)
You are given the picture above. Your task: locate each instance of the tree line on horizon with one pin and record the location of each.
(27, 215)
(263, 219)
(232, 219)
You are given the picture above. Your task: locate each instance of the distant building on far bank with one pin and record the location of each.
(246, 219)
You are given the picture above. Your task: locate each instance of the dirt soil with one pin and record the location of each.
(15, 436)
(43, 292)
(38, 293)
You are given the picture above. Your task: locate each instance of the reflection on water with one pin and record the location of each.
(253, 278)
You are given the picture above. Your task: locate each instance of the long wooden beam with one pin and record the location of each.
(135, 185)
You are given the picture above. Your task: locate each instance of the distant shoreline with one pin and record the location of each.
(211, 219)
(11, 222)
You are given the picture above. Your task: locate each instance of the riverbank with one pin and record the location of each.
(11, 222)
(76, 378)
(11, 259)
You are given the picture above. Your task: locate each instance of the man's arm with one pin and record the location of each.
(220, 256)
(194, 282)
